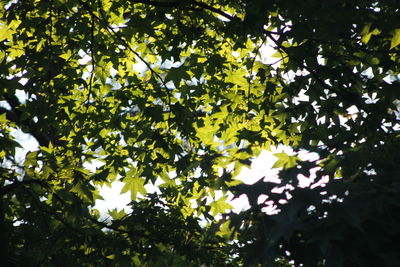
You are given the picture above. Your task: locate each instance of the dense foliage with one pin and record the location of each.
(182, 95)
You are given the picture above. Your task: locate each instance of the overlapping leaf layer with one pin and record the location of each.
(181, 95)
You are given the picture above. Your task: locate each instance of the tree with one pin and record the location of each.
(180, 92)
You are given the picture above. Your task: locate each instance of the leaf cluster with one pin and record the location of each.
(180, 96)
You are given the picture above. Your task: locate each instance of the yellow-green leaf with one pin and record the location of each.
(366, 37)
(284, 160)
(395, 39)
(225, 230)
(133, 184)
(220, 206)
(3, 118)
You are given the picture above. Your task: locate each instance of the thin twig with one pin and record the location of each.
(51, 22)
(93, 63)
(251, 72)
(179, 4)
(125, 43)
(19, 184)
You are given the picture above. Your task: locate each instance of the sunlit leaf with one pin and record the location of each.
(395, 39)
(220, 206)
(134, 185)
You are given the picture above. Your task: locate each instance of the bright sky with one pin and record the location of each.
(261, 167)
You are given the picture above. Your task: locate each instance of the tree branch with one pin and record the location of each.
(158, 3)
(11, 187)
(178, 4)
(41, 137)
(215, 10)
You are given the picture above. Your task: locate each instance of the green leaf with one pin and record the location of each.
(134, 185)
(3, 118)
(220, 206)
(225, 230)
(366, 33)
(31, 159)
(395, 39)
(84, 191)
(285, 161)
(117, 215)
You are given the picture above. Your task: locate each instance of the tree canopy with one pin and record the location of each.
(181, 95)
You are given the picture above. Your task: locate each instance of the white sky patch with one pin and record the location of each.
(112, 198)
(28, 143)
(267, 52)
(261, 168)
